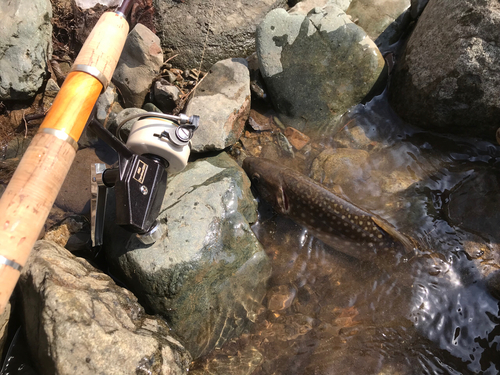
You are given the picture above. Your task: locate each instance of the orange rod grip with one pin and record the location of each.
(27, 201)
(73, 104)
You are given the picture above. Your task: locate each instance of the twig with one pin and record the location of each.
(25, 126)
(170, 58)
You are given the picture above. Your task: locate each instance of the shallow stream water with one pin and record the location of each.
(327, 313)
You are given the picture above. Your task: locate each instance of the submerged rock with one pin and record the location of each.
(222, 100)
(339, 166)
(79, 322)
(183, 25)
(447, 79)
(25, 47)
(316, 66)
(208, 275)
(139, 63)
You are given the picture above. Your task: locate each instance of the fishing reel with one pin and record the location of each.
(158, 144)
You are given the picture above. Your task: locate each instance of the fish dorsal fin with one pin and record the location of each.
(408, 243)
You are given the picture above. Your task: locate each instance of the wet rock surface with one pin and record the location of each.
(208, 276)
(454, 77)
(222, 100)
(25, 47)
(79, 321)
(183, 25)
(302, 60)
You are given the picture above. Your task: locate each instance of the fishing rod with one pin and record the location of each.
(31, 192)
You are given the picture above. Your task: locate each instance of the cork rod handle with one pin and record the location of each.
(27, 201)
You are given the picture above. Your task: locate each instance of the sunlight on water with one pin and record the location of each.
(327, 313)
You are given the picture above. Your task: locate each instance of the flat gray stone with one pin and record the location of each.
(183, 25)
(74, 195)
(25, 47)
(222, 100)
(208, 275)
(79, 322)
(316, 66)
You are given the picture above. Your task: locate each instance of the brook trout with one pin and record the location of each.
(332, 219)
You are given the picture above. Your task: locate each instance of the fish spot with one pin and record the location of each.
(303, 214)
(365, 228)
(360, 223)
(356, 217)
(346, 224)
(379, 236)
(347, 209)
(343, 217)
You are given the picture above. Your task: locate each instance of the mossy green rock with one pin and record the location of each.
(208, 275)
(316, 67)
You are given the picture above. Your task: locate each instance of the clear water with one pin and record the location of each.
(326, 313)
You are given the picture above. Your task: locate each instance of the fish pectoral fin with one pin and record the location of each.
(408, 243)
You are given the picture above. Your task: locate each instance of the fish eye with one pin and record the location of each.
(255, 178)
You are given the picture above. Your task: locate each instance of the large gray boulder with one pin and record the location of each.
(78, 321)
(222, 100)
(139, 63)
(316, 67)
(182, 27)
(208, 275)
(447, 79)
(25, 47)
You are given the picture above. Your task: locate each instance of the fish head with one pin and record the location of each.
(266, 179)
